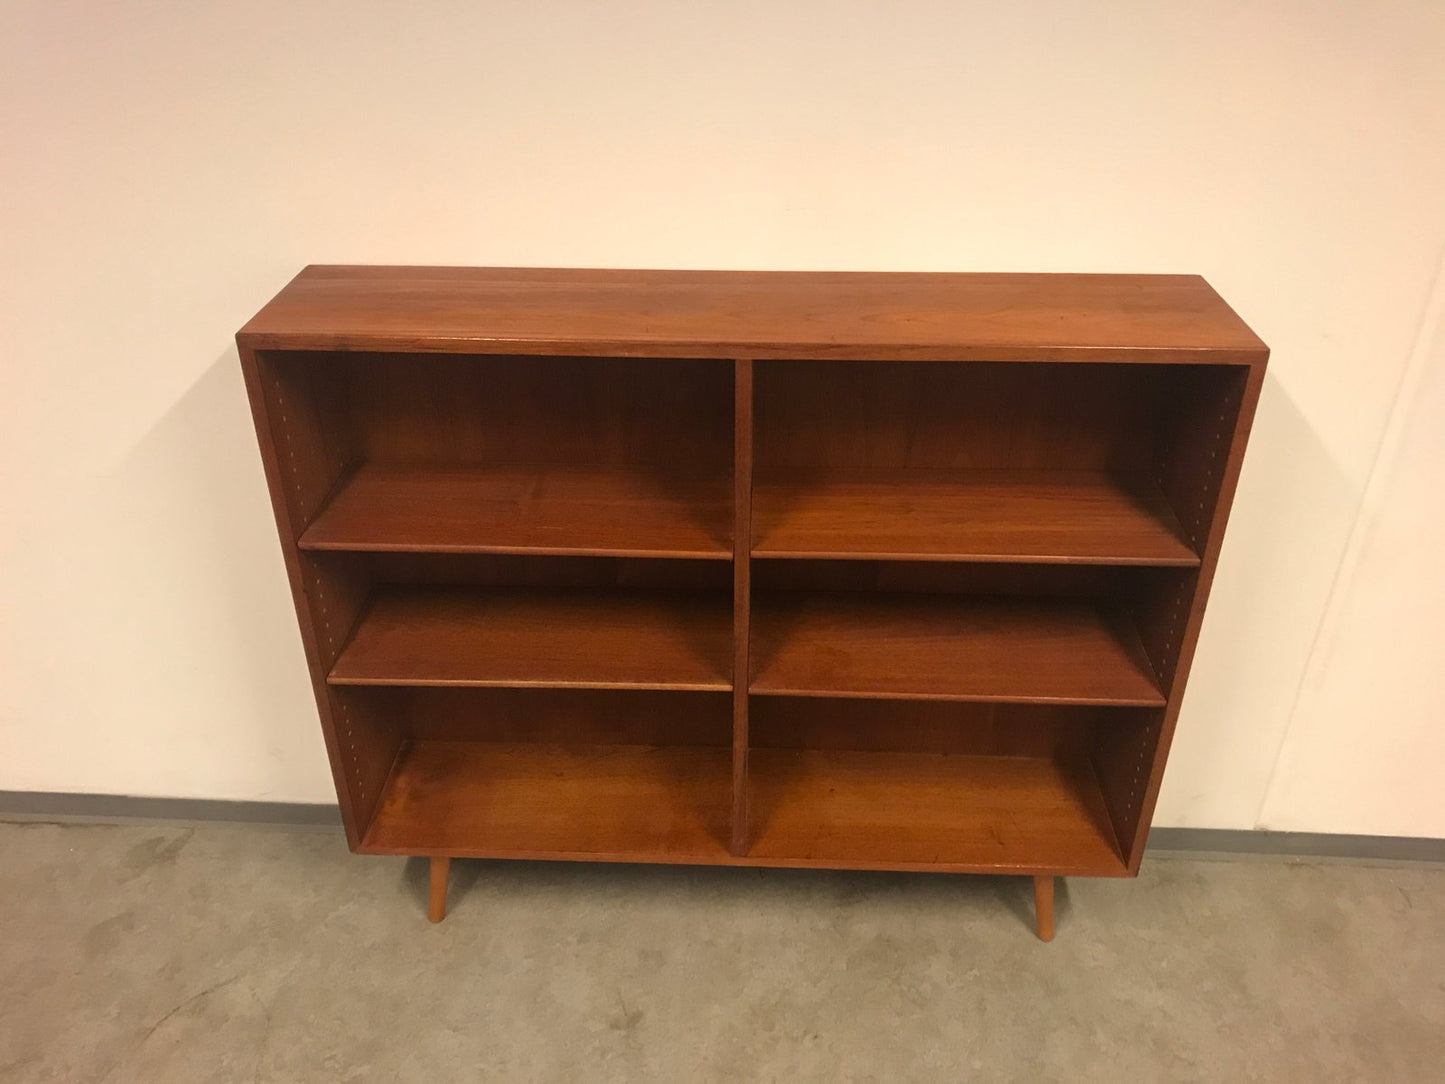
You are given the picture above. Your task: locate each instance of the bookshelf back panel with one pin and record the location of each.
(972, 416)
(460, 410)
(375, 570)
(1163, 422)
(558, 716)
(941, 577)
(923, 726)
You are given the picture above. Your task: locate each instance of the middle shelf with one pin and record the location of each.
(1030, 517)
(938, 647)
(546, 637)
(897, 645)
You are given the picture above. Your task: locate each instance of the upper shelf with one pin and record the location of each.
(534, 637)
(756, 314)
(599, 511)
(1061, 517)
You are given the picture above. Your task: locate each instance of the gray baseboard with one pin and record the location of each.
(55, 807)
(1297, 844)
(52, 807)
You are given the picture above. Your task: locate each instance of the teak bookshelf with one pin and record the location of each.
(856, 571)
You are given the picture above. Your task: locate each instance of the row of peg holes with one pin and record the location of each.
(328, 642)
(1211, 483)
(290, 452)
(1141, 774)
(348, 754)
(1172, 634)
(1197, 525)
(319, 606)
(318, 602)
(1196, 529)
(302, 512)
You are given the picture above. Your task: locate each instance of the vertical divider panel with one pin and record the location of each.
(742, 591)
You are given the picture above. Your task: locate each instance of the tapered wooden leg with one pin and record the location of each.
(440, 868)
(1044, 906)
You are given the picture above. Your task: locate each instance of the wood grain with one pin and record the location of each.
(560, 716)
(916, 810)
(937, 577)
(449, 411)
(527, 637)
(968, 727)
(409, 568)
(598, 511)
(941, 648)
(617, 802)
(955, 317)
(1067, 517)
(822, 415)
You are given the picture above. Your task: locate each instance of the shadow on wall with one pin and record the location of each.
(199, 541)
(1285, 540)
(192, 637)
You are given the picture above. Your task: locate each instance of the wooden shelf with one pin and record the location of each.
(1067, 517)
(541, 637)
(612, 802)
(601, 511)
(842, 810)
(940, 647)
(927, 811)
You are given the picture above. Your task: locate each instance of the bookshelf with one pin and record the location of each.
(850, 571)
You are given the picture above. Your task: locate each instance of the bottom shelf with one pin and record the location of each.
(821, 808)
(619, 803)
(926, 811)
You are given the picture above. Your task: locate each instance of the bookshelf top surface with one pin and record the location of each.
(756, 314)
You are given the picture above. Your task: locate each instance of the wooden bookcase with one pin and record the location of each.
(857, 571)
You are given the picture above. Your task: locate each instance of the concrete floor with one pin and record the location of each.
(218, 953)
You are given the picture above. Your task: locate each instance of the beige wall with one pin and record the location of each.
(167, 167)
